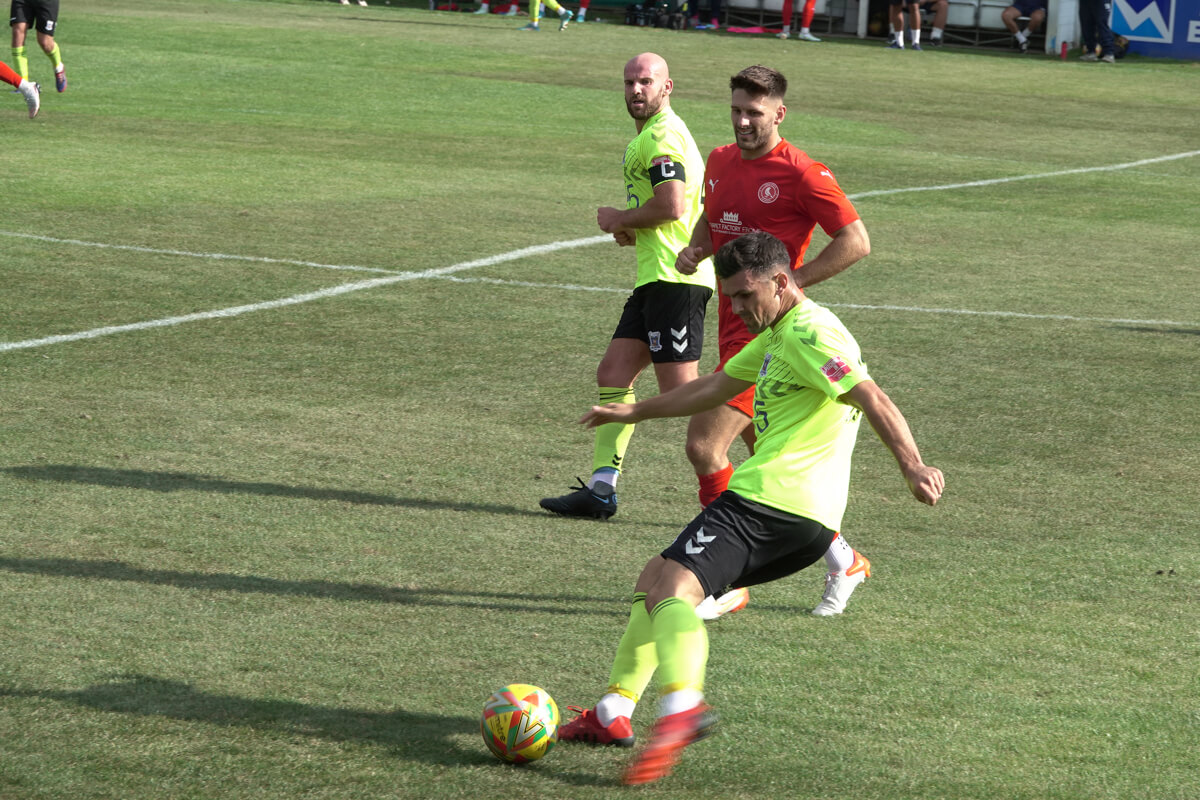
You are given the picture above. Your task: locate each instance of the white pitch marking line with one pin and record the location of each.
(855, 306)
(185, 253)
(512, 256)
(302, 298)
(991, 182)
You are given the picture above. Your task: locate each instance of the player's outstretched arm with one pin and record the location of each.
(691, 398)
(926, 483)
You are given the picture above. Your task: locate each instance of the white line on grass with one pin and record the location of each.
(993, 181)
(303, 298)
(396, 277)
(210, 256)
(571, 287)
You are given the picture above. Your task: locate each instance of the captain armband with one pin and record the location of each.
(664, 169)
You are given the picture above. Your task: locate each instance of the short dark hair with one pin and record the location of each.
(758, 81)
(758, 253)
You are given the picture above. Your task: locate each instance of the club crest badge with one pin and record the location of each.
(768, 192)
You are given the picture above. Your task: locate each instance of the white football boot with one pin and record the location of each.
(840, 585)
(713, 607)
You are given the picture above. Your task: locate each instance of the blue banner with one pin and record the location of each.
(1164, 28)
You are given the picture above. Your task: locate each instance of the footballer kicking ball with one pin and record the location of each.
(520, 723)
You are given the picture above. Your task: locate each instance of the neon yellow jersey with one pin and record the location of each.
(801, 461)
(665, 151)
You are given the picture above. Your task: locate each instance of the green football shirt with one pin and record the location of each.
(801, 461)
(665, 151)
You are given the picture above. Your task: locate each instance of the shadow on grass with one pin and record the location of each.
(412, 736)
(187, 481)
(325, 590)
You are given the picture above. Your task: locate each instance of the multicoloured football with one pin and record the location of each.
(520, 723)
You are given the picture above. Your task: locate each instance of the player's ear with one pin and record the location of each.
(781, 281)
(780, 114)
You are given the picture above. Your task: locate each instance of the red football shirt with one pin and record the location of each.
(784, 193)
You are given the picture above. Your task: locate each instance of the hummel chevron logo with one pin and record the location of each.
(680, 342)
(700, 540)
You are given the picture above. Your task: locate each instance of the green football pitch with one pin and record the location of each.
(300, 304)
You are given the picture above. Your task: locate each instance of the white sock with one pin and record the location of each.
(916, 35)
(682, 700)
(840, 555)
(603, 477)
(787, 29)
(614, 705)
(936, 33)
(805, 32)
(1021, 37)
(483, 7)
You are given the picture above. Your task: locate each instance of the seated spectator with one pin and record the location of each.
(714, 15)
(939, 9)
(1035, 10)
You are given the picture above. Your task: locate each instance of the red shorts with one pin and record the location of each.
(743, 402)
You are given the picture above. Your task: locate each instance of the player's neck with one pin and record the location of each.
(791, 298)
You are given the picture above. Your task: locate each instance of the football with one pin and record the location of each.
(520, 723)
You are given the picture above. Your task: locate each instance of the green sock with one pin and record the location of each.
(636, 658)
(612, 439)
(55, 57)
(20, 62)
(682, 645)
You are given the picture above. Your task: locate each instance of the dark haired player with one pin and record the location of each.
(783, 507)
(763, 183)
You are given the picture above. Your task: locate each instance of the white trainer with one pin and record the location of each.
(805, 36)
(713, 607)
(840, 585)
(32, 93)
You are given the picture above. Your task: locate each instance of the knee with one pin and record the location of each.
(704, 455)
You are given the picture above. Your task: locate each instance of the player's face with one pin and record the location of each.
(646, 89)
(756, 299)
(755, 122)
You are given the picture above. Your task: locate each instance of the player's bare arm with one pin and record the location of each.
(699, 395)
(926, 483)
(849, 244)
(668, 204)
(698, 249)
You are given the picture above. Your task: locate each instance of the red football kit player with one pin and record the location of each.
(762, 183)
(784, 193)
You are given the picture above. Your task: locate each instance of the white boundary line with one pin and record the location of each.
(210, 256)
(302, 298)
(855, 306)
(396, 277)
(1059, 173)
